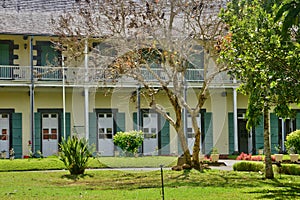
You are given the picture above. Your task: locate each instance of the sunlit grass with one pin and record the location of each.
(54, 163)
(99, 184)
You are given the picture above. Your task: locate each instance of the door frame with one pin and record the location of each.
(10, 112)
(250, 147)
(114, 111)
(51, 110)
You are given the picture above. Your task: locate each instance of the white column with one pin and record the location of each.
(32, 125)
(235, 120)
(64, 99)
(86, 91)
(138, 105)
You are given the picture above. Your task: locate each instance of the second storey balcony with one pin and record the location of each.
(81, 76)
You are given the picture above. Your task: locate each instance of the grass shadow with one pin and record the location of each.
(76, 177)
(184, 175)
(278, 193)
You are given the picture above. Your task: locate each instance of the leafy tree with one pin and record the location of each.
(138, 39)
(290, 12)
(266, 67)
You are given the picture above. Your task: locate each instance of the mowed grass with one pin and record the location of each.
(118, 184)
(53, 163)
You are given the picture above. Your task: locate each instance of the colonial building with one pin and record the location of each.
(41, 101)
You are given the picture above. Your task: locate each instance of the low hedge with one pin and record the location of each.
(290, 169)
(248, 166)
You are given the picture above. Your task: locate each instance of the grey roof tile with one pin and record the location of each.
(30, 16)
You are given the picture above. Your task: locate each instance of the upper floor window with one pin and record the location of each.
(47, 55)
(6, 52)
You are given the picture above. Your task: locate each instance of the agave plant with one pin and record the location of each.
(75, 154)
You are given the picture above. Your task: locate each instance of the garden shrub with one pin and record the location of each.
(290, 169)
(256, 158)
(248, 166)
(75, 154)
(292, 142)
(129, 142)
(244, 156)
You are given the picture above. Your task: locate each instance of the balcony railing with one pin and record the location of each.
(81, 75)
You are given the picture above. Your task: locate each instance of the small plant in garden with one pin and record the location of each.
(214, 151)
(290, 169)
(75, 154)
(244, 156)
(292, 142)
(129, 142)
(256, 158)
(248, 166)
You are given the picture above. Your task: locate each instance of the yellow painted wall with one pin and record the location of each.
(220, 101)
(23, 53)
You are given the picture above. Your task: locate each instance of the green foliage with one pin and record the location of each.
(292, 142)
(214, 150)
(248, 166)
(267, 66)
(129, 142)
(75, 154)
(290, 169)
(290, 12)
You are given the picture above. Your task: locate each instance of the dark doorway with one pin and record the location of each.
(243, 136)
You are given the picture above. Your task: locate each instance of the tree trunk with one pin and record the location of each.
(269, 174)
(196, 148)
(184, 146)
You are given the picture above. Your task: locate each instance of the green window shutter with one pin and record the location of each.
(259, 134)
(37, 131)
(135, 121)
(208, 125)
(17, 134)
(92, 128)
(165, 136)
(274, 132)
(298, 120)
(4, 60)
(68, 125)
(231, 132)
(120, 122)
(4, 54)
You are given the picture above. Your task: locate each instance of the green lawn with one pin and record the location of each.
(108, 184)
(101, 162)
(18, 182)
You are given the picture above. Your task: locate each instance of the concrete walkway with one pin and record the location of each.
(228, 167)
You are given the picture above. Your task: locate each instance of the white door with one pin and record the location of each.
(191, 132)
(50, 134)
(105, 134)
(150, 129)
(4, 134)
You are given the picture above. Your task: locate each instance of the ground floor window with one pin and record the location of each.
(4, 133)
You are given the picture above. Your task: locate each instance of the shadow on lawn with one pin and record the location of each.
(76, 177)
(234, 180)
(278, 193)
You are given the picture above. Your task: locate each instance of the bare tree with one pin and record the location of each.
(160, 39)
